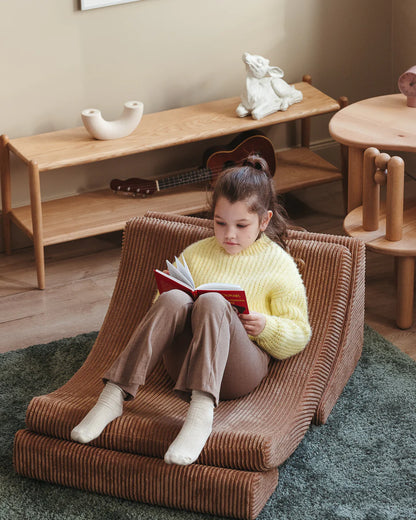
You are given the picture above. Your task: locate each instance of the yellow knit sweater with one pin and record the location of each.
(273, 287)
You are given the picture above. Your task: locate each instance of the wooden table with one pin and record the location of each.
(385, 122)
(101, 211)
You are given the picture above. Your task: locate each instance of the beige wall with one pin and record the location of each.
(404, 53)
(403, 37)
(57, 60)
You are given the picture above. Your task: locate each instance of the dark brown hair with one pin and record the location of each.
(252, 182)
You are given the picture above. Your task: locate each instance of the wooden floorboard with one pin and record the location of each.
(80, 277)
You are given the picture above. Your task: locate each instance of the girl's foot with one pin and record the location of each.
(108, 407)
(195, 431)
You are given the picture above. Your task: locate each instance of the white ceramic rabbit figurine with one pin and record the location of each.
(265, 92)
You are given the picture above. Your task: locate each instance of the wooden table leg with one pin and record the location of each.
(6, 197)
(37, 223)
(355, 178)
(405, 291)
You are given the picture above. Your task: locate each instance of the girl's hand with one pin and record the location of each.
(253, 323)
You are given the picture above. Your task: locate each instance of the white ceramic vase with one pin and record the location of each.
(125, 125)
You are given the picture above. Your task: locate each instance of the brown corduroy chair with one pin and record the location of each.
(238, 469)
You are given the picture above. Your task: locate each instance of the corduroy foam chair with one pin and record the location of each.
(238, 469)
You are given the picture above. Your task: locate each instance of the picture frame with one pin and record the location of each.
(95, 4)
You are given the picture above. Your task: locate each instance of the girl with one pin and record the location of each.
(209, 350)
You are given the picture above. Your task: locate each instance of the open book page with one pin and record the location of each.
(181, 272)
(180, 277)
(219, 287)
(166, 282)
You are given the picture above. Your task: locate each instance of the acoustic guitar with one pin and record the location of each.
(215, 162)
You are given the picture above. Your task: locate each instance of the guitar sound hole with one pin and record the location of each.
(229, 164)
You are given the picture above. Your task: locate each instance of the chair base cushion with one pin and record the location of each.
(198, 488)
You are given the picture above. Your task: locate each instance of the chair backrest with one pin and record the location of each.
(379, 169)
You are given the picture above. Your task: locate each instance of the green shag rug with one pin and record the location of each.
(361, 465)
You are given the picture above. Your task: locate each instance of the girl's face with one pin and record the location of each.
(235, 227)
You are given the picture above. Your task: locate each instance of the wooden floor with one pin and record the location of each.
(80, 277)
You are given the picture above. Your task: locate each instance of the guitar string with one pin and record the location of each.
(189, 177)
(200, 174)
(193, 176)
(183, 178)
(175, 180)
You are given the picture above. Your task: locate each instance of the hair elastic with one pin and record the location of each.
(254, 164)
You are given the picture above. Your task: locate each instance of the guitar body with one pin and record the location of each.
(216, 161)
(238, 151)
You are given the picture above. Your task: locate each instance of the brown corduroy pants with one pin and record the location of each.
(203, 344)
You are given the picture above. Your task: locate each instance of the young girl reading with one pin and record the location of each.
(209, 350)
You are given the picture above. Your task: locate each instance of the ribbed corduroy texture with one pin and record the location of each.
(241, 493)
(253, 435)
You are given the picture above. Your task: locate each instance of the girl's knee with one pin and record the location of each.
(211, 300)
(173, 299)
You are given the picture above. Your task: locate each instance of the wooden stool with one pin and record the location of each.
(388, 227)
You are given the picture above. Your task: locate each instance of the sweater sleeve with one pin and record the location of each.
(287, 329)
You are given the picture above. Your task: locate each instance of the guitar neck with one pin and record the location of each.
(199, 175)
(215, 163)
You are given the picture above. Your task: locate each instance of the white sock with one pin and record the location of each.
(195, 431)
(108, 407)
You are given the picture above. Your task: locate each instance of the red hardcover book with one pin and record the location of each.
(179, 277)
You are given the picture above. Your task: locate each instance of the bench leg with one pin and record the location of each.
(37, 223)
(6, 198)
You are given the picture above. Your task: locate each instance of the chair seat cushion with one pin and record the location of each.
(257, 432)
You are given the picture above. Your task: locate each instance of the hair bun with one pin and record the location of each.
(258, 163)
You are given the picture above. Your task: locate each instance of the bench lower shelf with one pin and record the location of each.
(103, 211)
(94, 213)
(298, 168)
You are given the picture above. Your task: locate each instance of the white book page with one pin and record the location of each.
(183, 268)
(220, 287)
(181, 272)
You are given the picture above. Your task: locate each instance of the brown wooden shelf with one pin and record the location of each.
(103, 211)
(159, 130)
(93, 213)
